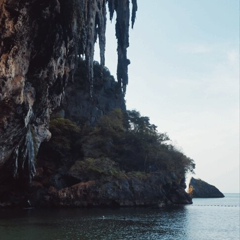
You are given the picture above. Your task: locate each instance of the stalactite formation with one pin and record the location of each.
(40, 41)
(122, 33)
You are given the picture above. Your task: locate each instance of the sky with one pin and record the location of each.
(184, 75)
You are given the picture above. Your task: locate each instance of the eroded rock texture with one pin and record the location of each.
(39, 43)
(117, 193)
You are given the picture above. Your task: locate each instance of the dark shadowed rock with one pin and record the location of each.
(201, 189)
(113, 191)
(106, 97)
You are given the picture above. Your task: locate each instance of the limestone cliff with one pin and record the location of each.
(40, 41)
(47, 71)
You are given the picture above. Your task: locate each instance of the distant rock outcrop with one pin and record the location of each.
(201, 189)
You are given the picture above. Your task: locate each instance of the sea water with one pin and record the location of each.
(205, 219)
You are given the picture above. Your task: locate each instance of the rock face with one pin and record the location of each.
(117, 193)
(79, 187)
(39, 44)
(201, 189)
(77, 104)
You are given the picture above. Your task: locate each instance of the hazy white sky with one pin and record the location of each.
(184, 75)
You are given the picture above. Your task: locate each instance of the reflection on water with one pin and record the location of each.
(185, 223)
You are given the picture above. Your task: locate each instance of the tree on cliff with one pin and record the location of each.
(136, 146)
(40, 41)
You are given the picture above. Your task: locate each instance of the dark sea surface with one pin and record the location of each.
(205, 219)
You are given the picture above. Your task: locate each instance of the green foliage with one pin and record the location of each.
(99, 167)
(137, 123)
(102, 141)
(112, 124)
(64, 134)
(138, 175)
(63, 126)
(131, 142)
(137, 147)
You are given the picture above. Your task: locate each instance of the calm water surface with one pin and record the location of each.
(206, 219)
